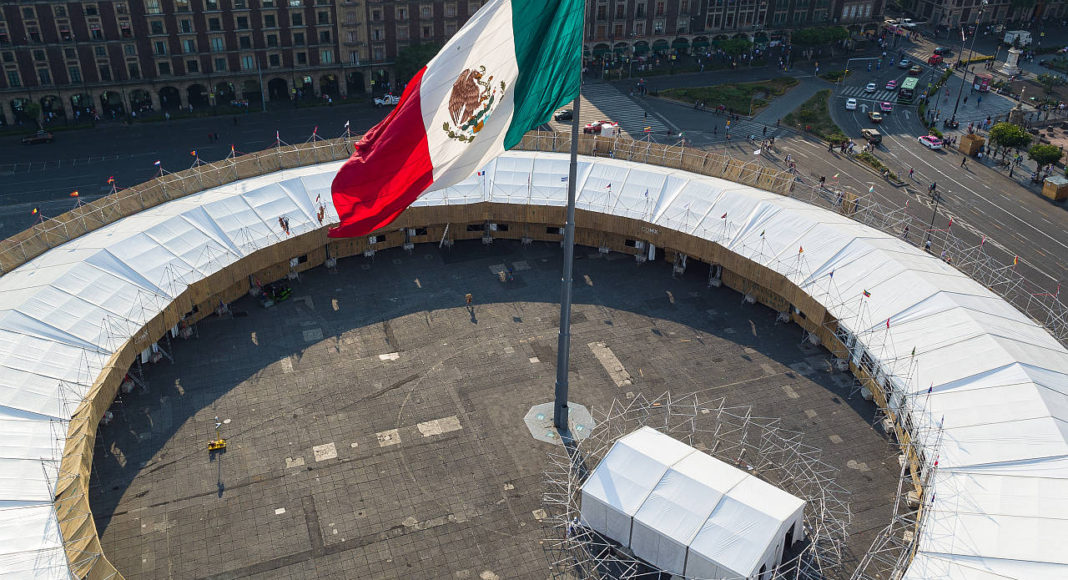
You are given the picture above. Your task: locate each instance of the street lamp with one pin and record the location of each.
(971, 51)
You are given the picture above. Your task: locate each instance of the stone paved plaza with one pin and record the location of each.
(375, 423)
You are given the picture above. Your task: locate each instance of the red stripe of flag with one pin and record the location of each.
(394, 160)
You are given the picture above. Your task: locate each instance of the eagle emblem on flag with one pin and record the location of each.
(471, 103)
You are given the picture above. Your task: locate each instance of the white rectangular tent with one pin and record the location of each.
(686, 512)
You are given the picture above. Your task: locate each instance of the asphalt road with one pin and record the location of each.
(43, 176)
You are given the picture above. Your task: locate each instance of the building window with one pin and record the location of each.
(272, 40)
(240, 4)
(242, 22)
(44, 76)
(75, 74)
(105, 72)
(302, 58)
(428, 31)
(161, 47)
(244, 41)
(153, 7)
(220, 65)
(267, 3)
(189, 45)
(450, 10)
(64, 32)
(34, 33)
(323, 17)
(217, 44)
(94, 31)
(402, 13)
(298, 19)
(60, 11)
(164, 68)
(659, 9)
(295, 3)
(9, 57)
(68, 52)
(125, 29)
(185, 25)
(326, 56)
(120, 8)
(274, 60)
(100, 51)
(156, 27)
(269, 21)
(298, 39)
(354, 58)
(39, 55)
(90, 10)
(181, 5)
(13, 79)
(426, 11)
(129, 49)
(379, 53)
(214, 24)
(247, 63)
(402, 33)
(450, 28)
(192, 66)
(133, 70)
(211, 4)
(28, 13)
(324, 36)
(378, 34)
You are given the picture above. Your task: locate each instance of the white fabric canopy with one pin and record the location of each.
(692, 514)
(999, 381)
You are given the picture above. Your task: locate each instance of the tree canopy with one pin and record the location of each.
(412, 58)
(1009, 135)
(818, 35)
(1045, 154)
(1050, 81)
(735, 46)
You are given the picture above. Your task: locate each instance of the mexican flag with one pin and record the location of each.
(505, 72)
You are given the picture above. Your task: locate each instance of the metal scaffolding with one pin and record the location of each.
(758, 445)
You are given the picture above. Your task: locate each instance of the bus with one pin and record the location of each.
(907, 90)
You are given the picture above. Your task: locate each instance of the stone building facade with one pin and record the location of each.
(116, 57)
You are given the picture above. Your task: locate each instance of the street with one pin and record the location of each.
(43, 176)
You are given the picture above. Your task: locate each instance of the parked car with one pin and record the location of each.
(851, 104)
(931, 142)
(891, 85)
(905, 63)
(387, 100)
(885, 107)
(38, 137)
(869, 88)
(873, 136)
(916, 70)
(875, 117)
(565, 115)
(603, 128)
(908, 23)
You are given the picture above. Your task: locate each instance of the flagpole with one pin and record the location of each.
(563, 349)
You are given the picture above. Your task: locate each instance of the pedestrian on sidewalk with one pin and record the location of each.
(963, 162)
(911, 171)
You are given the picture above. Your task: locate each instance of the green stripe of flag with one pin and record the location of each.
(548, 52)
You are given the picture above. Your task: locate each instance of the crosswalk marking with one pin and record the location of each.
(602, 101)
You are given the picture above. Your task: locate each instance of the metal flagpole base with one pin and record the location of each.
(539, 420)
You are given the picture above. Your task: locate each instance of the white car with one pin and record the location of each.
(387, 101)
(851, 104)
(931, 142)
(870, 88)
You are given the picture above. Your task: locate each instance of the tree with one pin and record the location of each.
(819, 35)
(32, 112)
(1050, 81)
(412, 58)
(1045, 154)
(735, 46)
(1008, 135)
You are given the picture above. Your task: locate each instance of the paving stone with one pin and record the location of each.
(431, 473)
